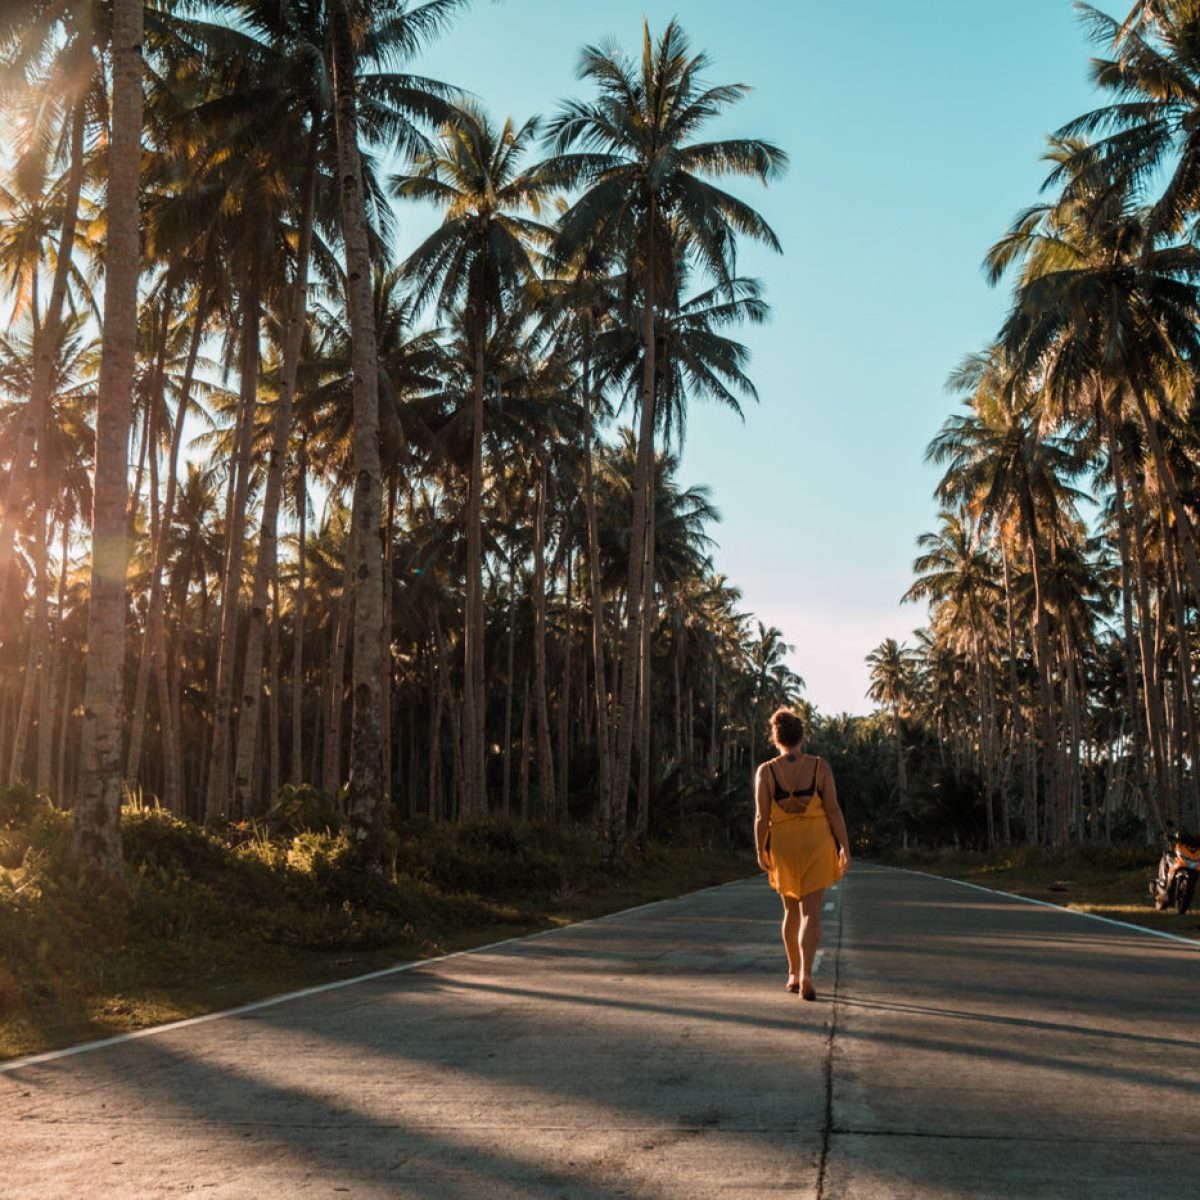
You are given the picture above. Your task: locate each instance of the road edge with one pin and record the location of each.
(1194, 943)
(32, 1060)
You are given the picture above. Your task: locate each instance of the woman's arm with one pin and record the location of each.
(762, 815)
(833, 811)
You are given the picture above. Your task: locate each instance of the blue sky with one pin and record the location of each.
(915, 131)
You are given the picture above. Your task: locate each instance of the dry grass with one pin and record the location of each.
(1108, 880)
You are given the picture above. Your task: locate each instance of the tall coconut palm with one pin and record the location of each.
(892, 665)
(98, 807)
(1149, 133)
(479, 260)
(647, 190)
(955, 572)
(1002, 463)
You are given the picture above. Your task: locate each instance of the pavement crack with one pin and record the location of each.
(827, 1123)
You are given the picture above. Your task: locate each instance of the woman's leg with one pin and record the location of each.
(791, 936)
(810, 932)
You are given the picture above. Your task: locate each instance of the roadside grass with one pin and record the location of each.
(1110, 880)
(211, 922)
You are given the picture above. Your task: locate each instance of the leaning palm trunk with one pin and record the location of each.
(264, 566)
(97, 841)
(626, 715)
(366, 801)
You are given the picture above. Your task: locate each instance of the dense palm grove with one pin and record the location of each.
(336, 514)
(1053, 695)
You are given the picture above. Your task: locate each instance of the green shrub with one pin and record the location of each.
(302, 809)
(19, 804)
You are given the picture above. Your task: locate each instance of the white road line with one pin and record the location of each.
(1074, 912)
(32, 1060)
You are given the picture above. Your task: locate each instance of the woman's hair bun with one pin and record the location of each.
(787, 729)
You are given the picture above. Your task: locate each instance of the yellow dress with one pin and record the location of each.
(803, 853)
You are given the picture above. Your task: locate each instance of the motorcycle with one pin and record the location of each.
(1174, 884)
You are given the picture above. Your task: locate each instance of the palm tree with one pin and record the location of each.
(645, 203)
(1149, 133)
(98, 807)
(53, 53)
(958, 576)
(479, 260)
(892, 665)
(1001, 464)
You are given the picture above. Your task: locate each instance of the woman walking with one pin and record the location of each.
(796, 808)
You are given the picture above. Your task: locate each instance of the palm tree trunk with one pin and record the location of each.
(1151, 691)
(274, 716)
(1018, 738)
(433, 799)
(58, 659)
(265, 564)
(564, 697)
(901, 772)
(1184, 649)
(385, 646)
(297, 771)
(332, 766)
(712, 718)
(678, 706)
(1127, 591)
(366, 802)
(523, 771)
(599, 680)
(626, 716)
(137, 717)
(509, 686)
(218, 801)
(64, 734)
(97, 839)
(473, 717)
(645, 665)
(1044, 666)
(545, 757)
(1184, 724)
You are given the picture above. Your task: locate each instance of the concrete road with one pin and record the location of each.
(963, 1044)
